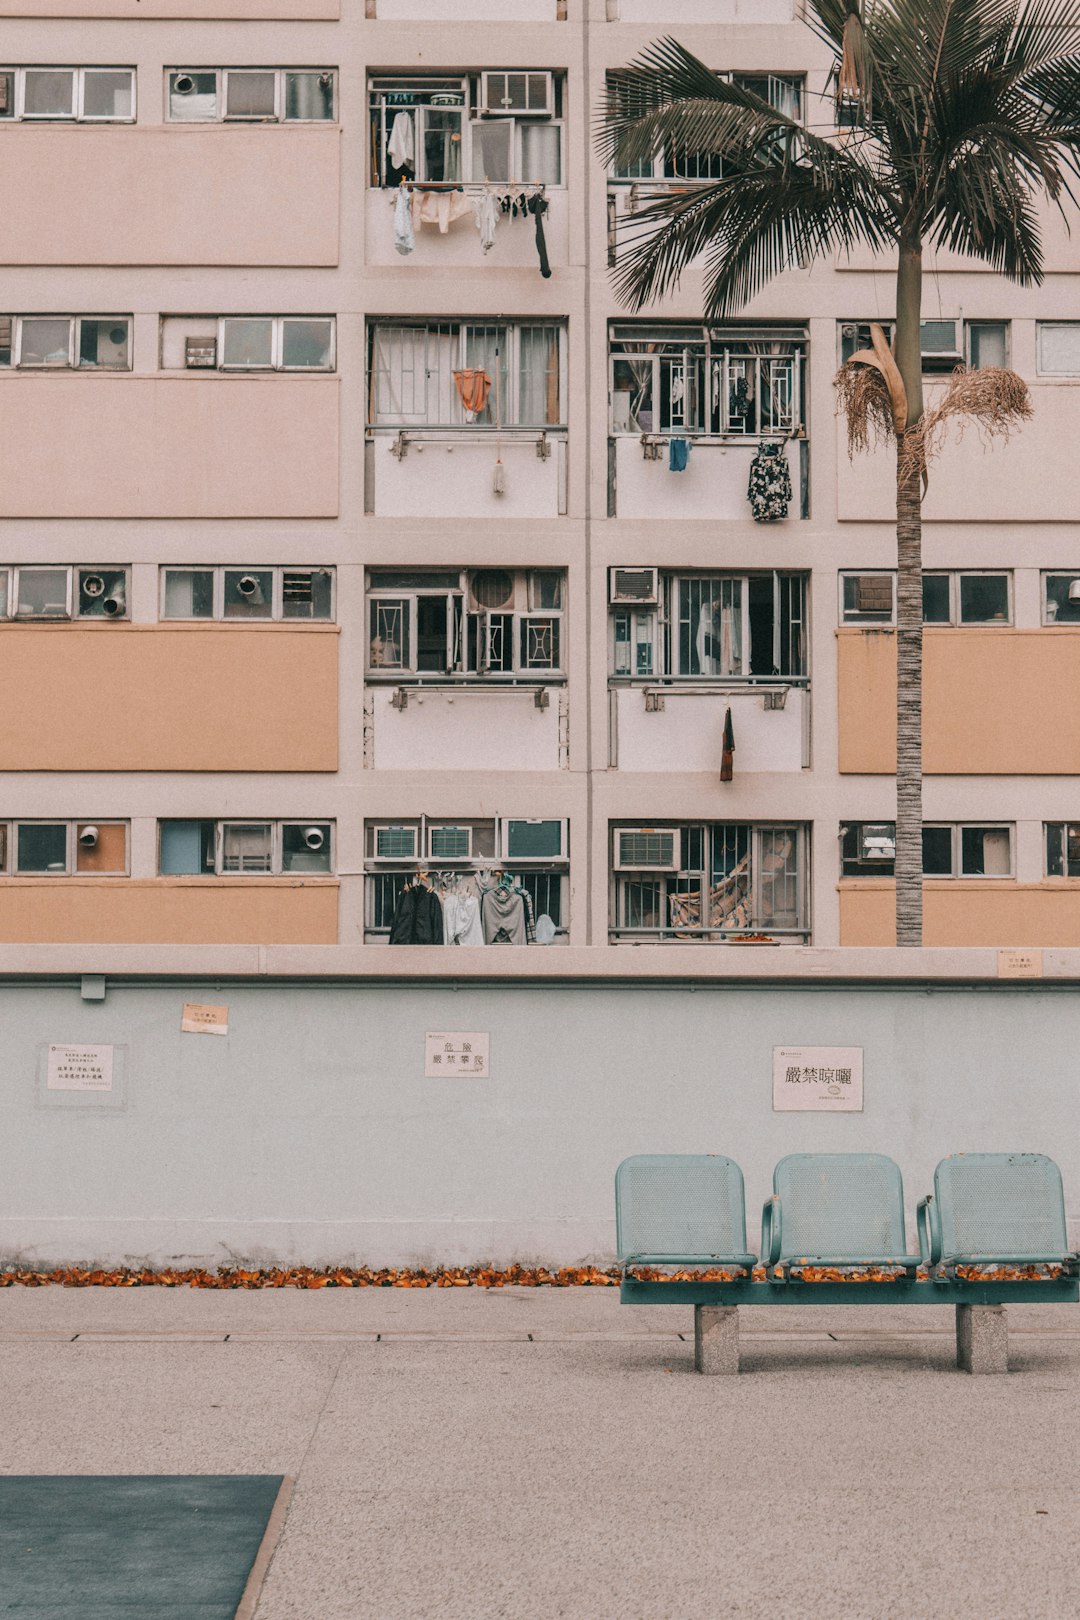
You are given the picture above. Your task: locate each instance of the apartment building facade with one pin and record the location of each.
(354, 530)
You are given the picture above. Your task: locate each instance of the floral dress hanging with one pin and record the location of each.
(769, 491)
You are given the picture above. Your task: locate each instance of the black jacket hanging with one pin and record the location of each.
(769, 490)
(537, 206)
(418, 917)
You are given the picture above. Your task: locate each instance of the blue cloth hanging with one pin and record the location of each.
(678, 454)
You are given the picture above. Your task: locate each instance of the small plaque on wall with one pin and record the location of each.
(79, 1068)
(198, 1018)
(818, 1079)
(456, 1054)
(1020, 964)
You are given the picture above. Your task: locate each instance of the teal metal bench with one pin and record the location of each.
(844, 1213)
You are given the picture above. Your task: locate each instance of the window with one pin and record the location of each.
(247, 593)
(783, 92)
(66, 342)
(946, 344)
(503, 127)
(466, 374)
(868, 849)
(465, 856)
(714, 627)
(252, 95)
(1058, 348)
(276, 343)
(63, 848)
(961, 597)
(1062, 849)
(726, 382)
(709, 881)
(205, 848)
(472, 623)
(88, 95)
(1061, 598)
(46, 592)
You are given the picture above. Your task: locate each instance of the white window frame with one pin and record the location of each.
(702, 933)
(1040, 368)
(712, 362)
(887, 327)
(954, 621)
(1065, 826)
(1045, 575)
(78, 115)
(855, 619)
(276, 826)
(219, 570)
(277, 343)
(9, 598)
(10, 867)
(459, 613)
(222, 90)
(482, 867)
(469, 85)
(74, 343)
(665, 629)
(657, 174)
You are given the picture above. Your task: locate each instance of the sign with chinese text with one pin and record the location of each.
(197, 1019)
(1020, 964)
(450, 1054)
(825, 1079)
(80, 1068)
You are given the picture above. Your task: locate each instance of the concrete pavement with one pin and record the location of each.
(531, 1454)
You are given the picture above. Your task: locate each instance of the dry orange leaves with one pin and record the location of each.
(308, 1277)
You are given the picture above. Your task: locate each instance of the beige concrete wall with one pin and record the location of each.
(975, 912)
(171, 447)
(176, 194)
(995, 702)
(169, 698)
(170, 10)
(176, 911)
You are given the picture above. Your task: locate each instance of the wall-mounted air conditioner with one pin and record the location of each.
(200, 353)
(450, 843)
(647, 849)
(877, 842)
(520, 94)
(396, 843)
(634, 587)
(491, 590)
(941, 344)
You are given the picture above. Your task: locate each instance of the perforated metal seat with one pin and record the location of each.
(836, 1209)
(681, 1209)
(995, 1209)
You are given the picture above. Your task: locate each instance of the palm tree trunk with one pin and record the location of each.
(909, 640)
(909, 613)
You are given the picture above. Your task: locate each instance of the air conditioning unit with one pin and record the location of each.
(874, 593)
(396, 843)
(877, 842)
(941, 344)
(533, 839)
(634, 587)
(450, 843)
(516, 94)
(200, 353)
(647, 849)
(491, 590)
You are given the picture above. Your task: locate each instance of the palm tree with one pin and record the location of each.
(954, 120)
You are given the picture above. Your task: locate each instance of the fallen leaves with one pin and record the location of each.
(309, 1277)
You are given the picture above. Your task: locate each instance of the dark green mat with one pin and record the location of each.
(116, 1547)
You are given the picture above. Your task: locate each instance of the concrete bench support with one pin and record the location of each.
(716, 1338)
(982, 1338)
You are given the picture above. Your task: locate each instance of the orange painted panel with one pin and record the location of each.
(170, 194)
(995, 702)
(171, 10)
(172, 447)
(962, 913)
(169, 698)
(168, 911)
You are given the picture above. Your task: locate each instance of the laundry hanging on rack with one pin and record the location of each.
(418, 917)
(727, 757)
(439, 208)
(473, 388)
(538, 206)
(487, 217)
(400, 148)
(769, 489)
(404, 238)
(461, 919)
(678, 454)
(506, 912)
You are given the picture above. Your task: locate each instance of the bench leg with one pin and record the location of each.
(982, 1338)
(716, 1338)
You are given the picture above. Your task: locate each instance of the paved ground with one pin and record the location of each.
(533, 1454)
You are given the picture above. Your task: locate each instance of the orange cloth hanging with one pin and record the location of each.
(473, 388)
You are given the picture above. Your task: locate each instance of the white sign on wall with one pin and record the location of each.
(80, 1068)
(824, 1079)
(199, 1019)
(447, 1055)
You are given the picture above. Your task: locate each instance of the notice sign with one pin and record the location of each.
(1020, 964)
(80, 1068)
(825, 1079)
(198, 1019)
(447, 1055)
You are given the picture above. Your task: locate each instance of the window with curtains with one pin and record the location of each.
(478, 375)
(468, 624)
(503, 127)
(750, 626)
(740, 383)
(705, 882)
(673, 163)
